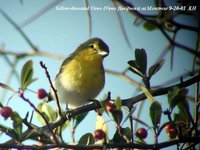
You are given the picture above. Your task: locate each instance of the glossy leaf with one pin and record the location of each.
(17, 122)
(171, 94)
(47, 111)
(86, 139)
(148, 94)
(117, 116)
(127, 133)
(134, 68)
(79, 118)
(155, 68)
(184, 110)
(9, 131)
(155, 113)
(123, 136)
(183, 122)
(118, 103)
(141, 60)
(26, 74)
(176, 96)
(103, 105)
(118, 138)
(7, 87)
(101, 124)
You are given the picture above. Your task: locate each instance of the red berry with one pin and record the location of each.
(110, 106)
(41, 93)
(168, 127)
(141, 133)
(172, 134)
(99, 134)
(6, 112)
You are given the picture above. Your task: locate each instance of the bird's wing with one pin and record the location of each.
(66, 61)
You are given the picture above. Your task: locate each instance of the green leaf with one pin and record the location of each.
(118, 103)
(182, 121)
(26, 74)
(127, 133)
(149, 26)
(86, 139)
(17, 122)
(155, 113)
(176, 96)
(9, 131)
(184, 111)
(7, 87)
(148, 94)
(171, 94)
(79, 118)
(134, 68)
(118, 138)
(141, 60)
(65, 125)
(117, 116)
(103, 105)
(101, 124)
(47, 111)
(155, 68)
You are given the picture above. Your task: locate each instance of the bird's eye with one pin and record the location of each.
(91, 46)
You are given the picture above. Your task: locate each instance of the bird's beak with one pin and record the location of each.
(103, 53)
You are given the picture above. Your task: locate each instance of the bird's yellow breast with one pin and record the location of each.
(84, 73)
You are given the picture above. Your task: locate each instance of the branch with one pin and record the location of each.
(195, 140)
(19, 30)
(190, 50)
(161, 27)
(97, 105)
(30, 53)
(39, 13)
(160, 91)
(21, 94)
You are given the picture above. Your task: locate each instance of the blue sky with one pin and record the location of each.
(60, 32)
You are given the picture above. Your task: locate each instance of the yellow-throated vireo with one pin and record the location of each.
(81, 76)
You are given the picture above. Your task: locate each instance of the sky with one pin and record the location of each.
(61, 31)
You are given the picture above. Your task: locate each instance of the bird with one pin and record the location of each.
(81, 76)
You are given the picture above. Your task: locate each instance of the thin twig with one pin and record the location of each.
(39, 13)
(19, 30)
(21, 94)
(197, 100)
(89, 18)
(30, 54)
(137, 14)
(124, 76)
(52, 87)
(183, 47)
(122, 26)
